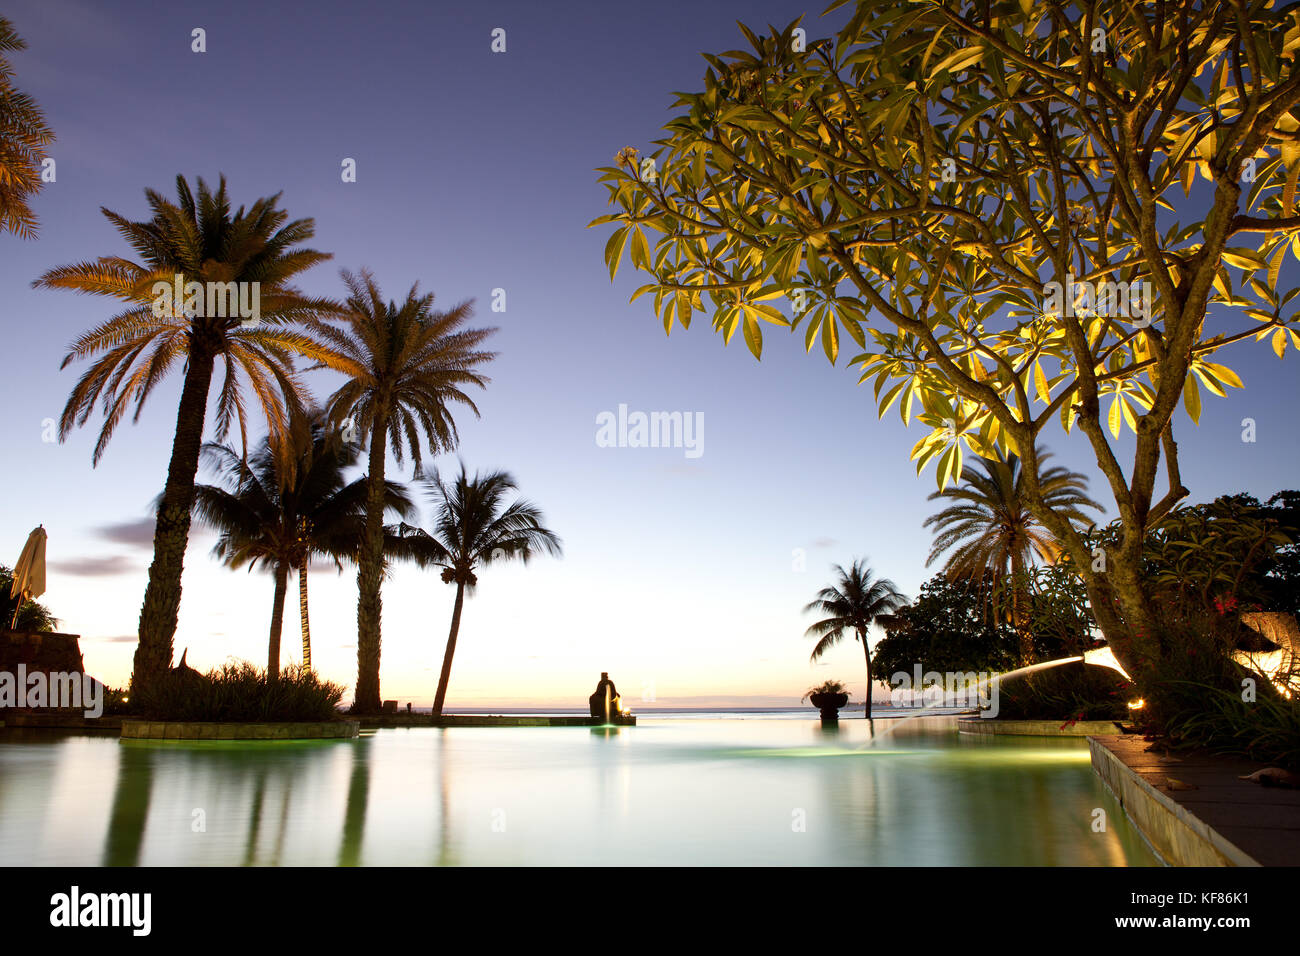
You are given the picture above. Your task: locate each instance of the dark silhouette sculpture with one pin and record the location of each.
(598, 699)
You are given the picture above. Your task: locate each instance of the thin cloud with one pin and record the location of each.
(134, 534)
(118, 639)
(105, 567)
(139, 533)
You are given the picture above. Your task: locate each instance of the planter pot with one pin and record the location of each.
(829, 704)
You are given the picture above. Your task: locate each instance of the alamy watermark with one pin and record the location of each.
(651, 430)
(242, 300)
(125, 910)
(71, 689)
(970, 689)
(1130, 300)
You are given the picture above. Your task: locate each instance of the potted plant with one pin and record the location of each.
(828, 697)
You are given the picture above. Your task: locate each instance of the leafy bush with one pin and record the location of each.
(826, 687)
(1070, 692)
(31, 616)
(1266, 729)
(238, 691)
(947, 628)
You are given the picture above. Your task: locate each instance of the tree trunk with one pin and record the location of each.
(1018, 582)
(302, 614)
(445, 677)
(866, 653)
(277, 621)
(370, 572)
(162, 596)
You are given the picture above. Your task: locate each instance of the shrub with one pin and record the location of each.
(1266, 729)
(1070, 692)
(826, 687)
(239, 691)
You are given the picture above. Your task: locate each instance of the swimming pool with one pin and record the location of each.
(666, 792)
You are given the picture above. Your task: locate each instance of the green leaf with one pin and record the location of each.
(830, 339)
(1192, 399)
(640, 250)
(1040, 382)
(754, 337)
(1243, 258)
(614, 250)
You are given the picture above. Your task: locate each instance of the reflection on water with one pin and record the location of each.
(787, 792)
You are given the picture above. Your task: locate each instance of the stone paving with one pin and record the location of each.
(1263, 822)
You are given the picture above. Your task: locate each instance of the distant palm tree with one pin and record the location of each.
(23, 138)
(856, 599)
(201, 241)
(281, 517)
(407, 365)
(991, 533)
(473, 527)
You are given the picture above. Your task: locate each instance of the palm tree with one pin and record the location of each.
(280, 517)
(856, 599)
(23, 138)
(473, 527)
(190, 240)
(993, 535)
(407, 365)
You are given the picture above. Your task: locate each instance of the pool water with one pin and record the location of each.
(666, 792)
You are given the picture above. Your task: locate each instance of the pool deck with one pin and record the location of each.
(1195, 810)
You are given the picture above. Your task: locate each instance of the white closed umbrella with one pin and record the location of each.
(29, 572)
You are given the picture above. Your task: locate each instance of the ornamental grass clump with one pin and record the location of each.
(239, 692)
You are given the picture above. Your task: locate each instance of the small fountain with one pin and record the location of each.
(1100, 656)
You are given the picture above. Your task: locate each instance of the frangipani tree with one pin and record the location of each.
(1023, 214)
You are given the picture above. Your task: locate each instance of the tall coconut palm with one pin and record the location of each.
(23, 138)
(473, 527)
(990, 532)
(407, 365)
(280, 512)
(851, 604)
(193, 239)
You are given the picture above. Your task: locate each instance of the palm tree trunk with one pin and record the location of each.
(277, 621)
(866, 652)
(302, 615)
(445, 677)
(369, 574)
(162, 596)
(1018, 621)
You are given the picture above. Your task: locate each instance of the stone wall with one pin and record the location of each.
(40, 651)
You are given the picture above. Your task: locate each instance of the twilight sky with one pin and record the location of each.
(475, 173)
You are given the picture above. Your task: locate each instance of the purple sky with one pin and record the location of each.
(475, 173)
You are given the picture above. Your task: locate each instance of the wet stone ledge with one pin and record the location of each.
(211, 730)
(1038, 728)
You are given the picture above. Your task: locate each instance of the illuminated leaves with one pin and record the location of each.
(902, 178)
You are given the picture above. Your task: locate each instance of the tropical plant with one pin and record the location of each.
(1218, 550)
(993, 183)
(407, 365)
(238, 691)
(279, 512)
(473, 528)
(946, 629)
(990, 532)
(851, 604)
(196, 239)
(825, 687)
(31, 616)
(23, 139)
